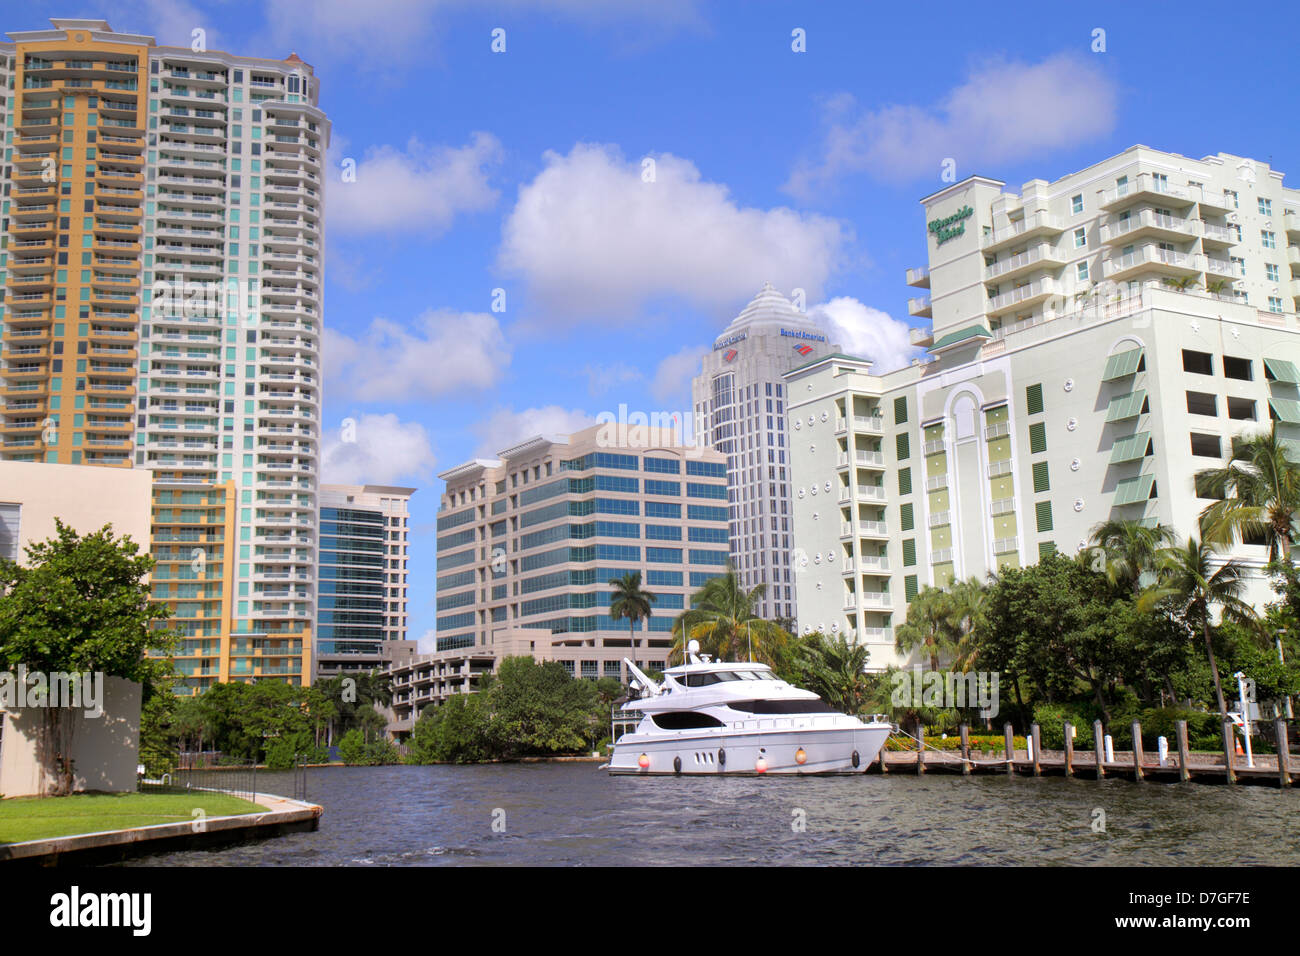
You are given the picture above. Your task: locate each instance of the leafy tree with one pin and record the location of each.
(631, 602)
(81, 604)
(455, 731)
(1259, 487)
(834, 668)
(929, 628)
(721, 617)
(537, 708)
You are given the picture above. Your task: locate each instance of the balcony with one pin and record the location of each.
(920, 307)
(1024, 297)
(919, 278)
(1032, 225)
(1042, 256)
(1149, 224)
(1152, 259)
(1148, 187)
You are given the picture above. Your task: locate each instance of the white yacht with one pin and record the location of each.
(710, 717)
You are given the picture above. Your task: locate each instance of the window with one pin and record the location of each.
(1040, 477)
(1238, 263)
(1241, 368)
(1242, 409)
(1204, 489)
(1265, 206)
(1268, 238)
(909, 587)
(1202, 403)
(901, 446)
(1076, 204)
(1034, 399)
(1080, 238)
(1271, 272)
(1043, 515)
(1037, 438)
(1205, 446)
(1045, 548)
(905, 520)
(1198, 363)
(900, 411)
(905, 481)
(1274, 304)
(909, 553)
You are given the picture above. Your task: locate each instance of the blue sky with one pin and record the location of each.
(523, 171)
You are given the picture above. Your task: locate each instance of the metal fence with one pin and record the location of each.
(241, 780)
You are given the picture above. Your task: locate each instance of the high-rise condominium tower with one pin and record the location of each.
(164, 248)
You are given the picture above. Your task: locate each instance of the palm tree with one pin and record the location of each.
(722, 619)
(1183, 284)
(1189, 579)
(1126, 550)
(629, 601)
(1259, 489)
(835, 669)
(966, 603)
(929, 627)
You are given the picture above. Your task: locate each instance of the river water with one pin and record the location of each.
(574, 814)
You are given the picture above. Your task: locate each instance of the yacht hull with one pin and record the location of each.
(739, 750)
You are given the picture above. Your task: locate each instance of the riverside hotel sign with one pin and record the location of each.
(950, 227)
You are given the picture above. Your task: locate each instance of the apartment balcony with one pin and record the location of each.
(1003, 506)
(997, 430)
(1151, 259)
(935, 447)
(1219, 268)
(996, 469)
(1217, 237)
(1042, 256)
(1024, 297)
(872, 424)
(870, 459)
(1148, 187)
(1149, 224)
(1006, 545)
(871, 493)
(920, 307)
(940, 519)
(942, 556)
(872, 529)
(874, 564)
(1039, 224)
(936, 482)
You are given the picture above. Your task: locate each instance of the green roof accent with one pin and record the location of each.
(1134, 490)
(1126, 406)
(1283, 371)
(827, 358)
(961, 335)
(1132, 448)
(1122, 363)
(1286, 409)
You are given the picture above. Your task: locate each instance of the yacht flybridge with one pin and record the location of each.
(711, 717)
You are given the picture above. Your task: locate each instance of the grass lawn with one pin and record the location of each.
(36, 818)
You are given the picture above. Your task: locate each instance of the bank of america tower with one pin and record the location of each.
(739, 399)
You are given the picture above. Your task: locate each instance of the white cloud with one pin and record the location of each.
(601, 378)
(867, 333)
(446, 352)
(506, 427)
(590, 237)
(1004, 111)
(377, 450)
(672, 381)
(428, 641)
(421, 189)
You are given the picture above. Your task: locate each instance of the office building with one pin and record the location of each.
(363, 573)
(739, 404)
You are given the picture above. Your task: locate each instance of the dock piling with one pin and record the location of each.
(1096, 746)
(965, 750)
(1137, 751)
(1069, 749)
(1283, 755)
(1184, 774)
(1010, 739)
(1037, 754)
(1229, 773)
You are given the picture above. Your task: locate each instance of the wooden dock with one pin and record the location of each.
(1280, 770)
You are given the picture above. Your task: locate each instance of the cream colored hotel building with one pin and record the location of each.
(1095, 342)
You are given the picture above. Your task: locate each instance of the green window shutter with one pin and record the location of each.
(1040, 477)
(1122, 364)
(1043, 511)
(1045, 548)
(901, 446)
(909, 587)
(1123, 407)
(905, 481)
(1130, 449)
(1285, 410)
(1281, 371)
(1037, 438)
(900, 411)
(905, 520)
(1034, 399)
(909, 553)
